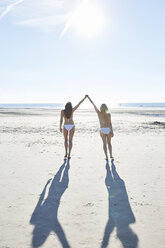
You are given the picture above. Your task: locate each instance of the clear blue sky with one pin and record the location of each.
(57, 50)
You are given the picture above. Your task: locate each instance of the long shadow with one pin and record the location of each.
(120, 212)
(45, 215)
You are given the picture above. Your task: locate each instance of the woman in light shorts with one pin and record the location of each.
(106, 130)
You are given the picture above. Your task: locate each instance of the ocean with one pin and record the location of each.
(61, 105)
(31, 105)
(144, 105)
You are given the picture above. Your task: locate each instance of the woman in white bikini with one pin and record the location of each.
(69, 127)
(106, 130)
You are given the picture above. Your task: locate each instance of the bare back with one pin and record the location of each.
(67, 120)
(104, 119)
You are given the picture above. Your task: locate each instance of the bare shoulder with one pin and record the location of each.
(62, 112)
(99, 113)
(74, 109)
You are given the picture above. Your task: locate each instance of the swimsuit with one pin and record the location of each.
(69, 126)
(105, 130)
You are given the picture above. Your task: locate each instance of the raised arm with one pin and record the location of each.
(76, 107)
(96, 109)
(61, 120)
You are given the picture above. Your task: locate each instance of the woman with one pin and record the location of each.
(106, 130)
(69, 127)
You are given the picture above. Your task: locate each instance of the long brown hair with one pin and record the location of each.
(68, 110)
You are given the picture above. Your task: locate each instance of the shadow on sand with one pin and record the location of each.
(120, 212)
(45, 215)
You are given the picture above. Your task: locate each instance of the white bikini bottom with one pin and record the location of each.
(69, 126)
(105, 130)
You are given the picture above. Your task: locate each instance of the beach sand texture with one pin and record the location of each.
(85, 203)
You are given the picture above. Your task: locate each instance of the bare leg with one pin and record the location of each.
(109, 145)
(71, 133)
(103, 136)
(65, 132)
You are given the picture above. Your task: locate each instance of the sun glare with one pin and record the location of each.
(88, 19)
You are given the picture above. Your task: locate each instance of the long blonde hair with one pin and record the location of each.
(104, 108)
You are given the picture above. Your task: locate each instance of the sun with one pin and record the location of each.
(87, 20)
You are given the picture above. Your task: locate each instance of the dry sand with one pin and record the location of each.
(87, 203)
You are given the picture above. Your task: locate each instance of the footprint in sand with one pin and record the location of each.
(89, 204)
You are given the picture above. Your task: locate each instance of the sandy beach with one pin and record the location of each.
(84, 203)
